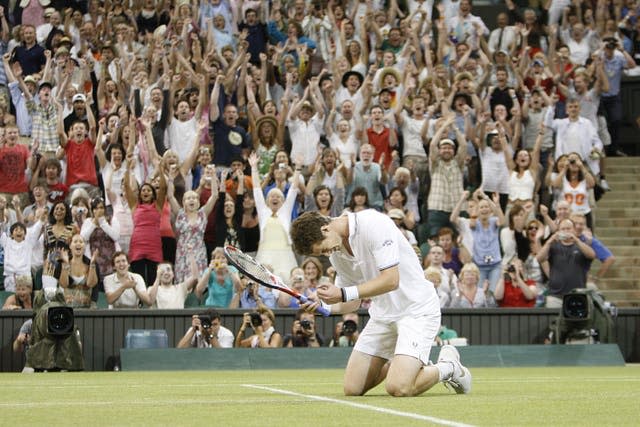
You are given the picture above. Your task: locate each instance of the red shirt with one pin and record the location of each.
(57, 192)
(513, 296)
(81, 168)
(13, 162)
(380, 142)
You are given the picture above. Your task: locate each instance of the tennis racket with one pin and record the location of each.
(256, 271)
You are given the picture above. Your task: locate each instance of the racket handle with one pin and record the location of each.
(320, 309)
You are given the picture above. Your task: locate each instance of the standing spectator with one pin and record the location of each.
(446, 167)
(14, 160)
(229, 139)
(145, 250)
(465, 26)
(77, 147)
(206, 331)
(370, 175)
(615, 59)
(45, 116)
(30, 54)
(102, 234)
(303, 331)
(575, 134)
(18, 248)
(123, 288)
(305, 129)
(274, 216)
(381, 136)
(568, 260)
(603, 254)
(574, 182)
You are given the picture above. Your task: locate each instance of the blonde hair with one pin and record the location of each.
(471, 268)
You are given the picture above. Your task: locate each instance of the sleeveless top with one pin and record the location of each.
(145, 240)
(521, 188)
(577, 197)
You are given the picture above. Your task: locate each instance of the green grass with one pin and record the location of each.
(501, 396)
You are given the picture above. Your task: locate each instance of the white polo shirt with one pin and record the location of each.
(378, 244)
(129, 298)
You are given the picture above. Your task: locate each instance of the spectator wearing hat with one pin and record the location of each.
(352, 87)
(30, 54)
(79, 112)
(446, 165)
(44, 116)
(52, 20)
(398, 216)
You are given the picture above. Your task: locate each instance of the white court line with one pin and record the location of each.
(362, 406)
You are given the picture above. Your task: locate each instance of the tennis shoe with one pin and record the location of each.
(460, 379)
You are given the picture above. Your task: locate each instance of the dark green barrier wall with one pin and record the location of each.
(103, 331)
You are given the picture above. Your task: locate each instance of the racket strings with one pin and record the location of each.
(244, 262)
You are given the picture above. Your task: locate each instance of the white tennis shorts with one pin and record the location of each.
(410, 336)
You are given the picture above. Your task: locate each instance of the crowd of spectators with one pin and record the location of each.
(138, 137)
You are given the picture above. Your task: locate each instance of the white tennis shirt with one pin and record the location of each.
(377, 244)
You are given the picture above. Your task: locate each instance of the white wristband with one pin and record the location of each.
(325, 306)
(350, 293)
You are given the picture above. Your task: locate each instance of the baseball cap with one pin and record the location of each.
(30, 79)
(79, 97)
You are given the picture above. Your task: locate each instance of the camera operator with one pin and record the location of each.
(206, 331)
(264, 334)
(346, 332)
(513, 290)
(303, 332)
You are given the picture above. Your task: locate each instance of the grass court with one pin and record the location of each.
(565, 396)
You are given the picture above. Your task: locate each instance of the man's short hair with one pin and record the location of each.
(53, 163)
(116, 255)
(17, 225)
(212, 313)
(306, 231)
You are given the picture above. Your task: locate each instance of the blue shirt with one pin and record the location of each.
(613, 69)
(219, 295)
(602, 252)
(267, 297)
(23, 118)
(486, 243)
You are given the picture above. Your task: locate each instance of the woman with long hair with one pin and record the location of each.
(145, 248)
(574, 182)
(79, 275)
(102, 234)
(264, 334)
(359, 200)
(58, 232)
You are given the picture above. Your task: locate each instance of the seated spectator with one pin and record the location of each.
(164, 294)
(448, 279)
(513, 290)
(346, 332)
(303, 332)
(218, 281)
(434, 275)
(397, 199)
(469, 294)
(568, 260)
(21, 343)
(123, 288)
(23, 298)
(251, 295)
(264, 334)
(358, 201)
(79, 275)
(398, 217)
(206, 331)
(451, 258)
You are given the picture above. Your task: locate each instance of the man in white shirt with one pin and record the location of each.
(164, 294)
(575, 134)
(305, 129)
(465, 26)
(374, 260)
(503, 37)
(206, 331)
(123, 288)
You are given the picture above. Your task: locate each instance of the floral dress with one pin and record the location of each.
(190, 244)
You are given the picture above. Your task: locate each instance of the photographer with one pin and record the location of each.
(303, 332)
(513, 290)
(206, 331)
(251, 295)
(346, 332)
(264, 334)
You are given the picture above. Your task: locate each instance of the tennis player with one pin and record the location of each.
(374, 260)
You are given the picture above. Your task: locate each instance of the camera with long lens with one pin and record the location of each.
(349, 327)
(586, 318)
(256, 319)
